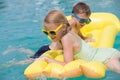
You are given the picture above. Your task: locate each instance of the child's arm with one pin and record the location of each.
(67, 50)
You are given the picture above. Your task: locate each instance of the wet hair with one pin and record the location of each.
(56, 17)
(80, 8)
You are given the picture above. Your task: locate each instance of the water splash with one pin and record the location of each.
(22, 50)
(13, 60)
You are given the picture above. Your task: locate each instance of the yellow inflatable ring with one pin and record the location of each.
(73, 69)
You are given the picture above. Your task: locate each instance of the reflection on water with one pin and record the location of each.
(2, 4)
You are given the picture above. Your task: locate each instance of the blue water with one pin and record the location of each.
(20, 31)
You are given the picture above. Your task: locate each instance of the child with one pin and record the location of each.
(55, 25)
(56, 45)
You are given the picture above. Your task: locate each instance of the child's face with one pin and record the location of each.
(81, 19)
(53, 31)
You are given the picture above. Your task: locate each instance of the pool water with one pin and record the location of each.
(21, 36)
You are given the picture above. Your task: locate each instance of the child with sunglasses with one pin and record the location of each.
(56, 45)
(72, 44)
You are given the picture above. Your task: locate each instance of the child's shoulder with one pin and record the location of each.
(67, 37)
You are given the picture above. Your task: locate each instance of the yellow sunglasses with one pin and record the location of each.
(53, 32)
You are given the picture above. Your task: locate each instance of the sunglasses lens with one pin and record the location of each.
(52, 33)
(82, 21)
(45, 32)
(86, 21)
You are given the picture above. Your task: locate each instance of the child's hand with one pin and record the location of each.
(71, 21)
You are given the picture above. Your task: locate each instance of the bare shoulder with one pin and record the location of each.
(67, 38)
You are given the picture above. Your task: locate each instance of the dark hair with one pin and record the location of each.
(81, 7)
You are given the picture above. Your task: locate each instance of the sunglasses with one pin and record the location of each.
(82, 20)
(53, 32)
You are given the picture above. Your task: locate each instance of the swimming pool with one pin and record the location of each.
(20, 30)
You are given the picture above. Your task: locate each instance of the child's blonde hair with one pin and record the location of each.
(56, 17)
